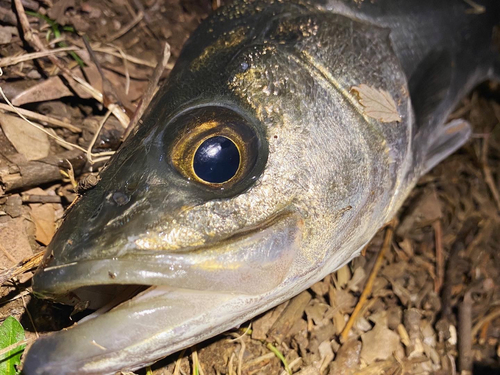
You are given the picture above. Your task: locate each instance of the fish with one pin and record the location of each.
(288, 133)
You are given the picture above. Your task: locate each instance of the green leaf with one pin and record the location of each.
(11, 331)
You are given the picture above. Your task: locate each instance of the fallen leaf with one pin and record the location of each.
(14, 243)
(377, 103)
(26, 139)
(45, 90)
(44, 217)
(379, 344)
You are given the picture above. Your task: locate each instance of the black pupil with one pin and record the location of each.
(216, 160)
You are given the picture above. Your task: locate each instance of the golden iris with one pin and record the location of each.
(215, 149)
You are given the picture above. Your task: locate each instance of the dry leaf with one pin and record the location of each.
(379, 343)
(44, 217)
(26, 139)
(14, 243)
(377, 103)
(45, 90)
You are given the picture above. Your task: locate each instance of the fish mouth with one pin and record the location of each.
(192, 296)
(249, 262)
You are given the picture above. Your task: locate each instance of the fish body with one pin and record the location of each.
(278, 94)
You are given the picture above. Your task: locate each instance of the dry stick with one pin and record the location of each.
(438, 239)
(109, 93)
(101, 156)
(126, 28)
(486, 319)
(488, 177)
(94, 139)
(36, 116)
(29, 316)
(22, 267)
(465, 334)
(150, 90)
(369, 284)
(39, 127)
(7, 254)
(125, 67)
(177, 369)
(12, 60)
(35, 42)
(34, 198)
(468, 228)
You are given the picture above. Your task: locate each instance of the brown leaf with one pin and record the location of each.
(377, 103)
(43, 216)
(379, 343)
(27, 140)
(46, 90)
(14, 243)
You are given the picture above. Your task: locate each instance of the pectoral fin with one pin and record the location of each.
(444, 141)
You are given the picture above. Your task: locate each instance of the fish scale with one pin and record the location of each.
(287, 82)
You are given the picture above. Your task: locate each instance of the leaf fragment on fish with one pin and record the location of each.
(377, 103)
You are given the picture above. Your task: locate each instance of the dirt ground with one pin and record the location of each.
(428, 302)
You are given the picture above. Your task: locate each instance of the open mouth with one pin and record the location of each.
(159, 303)
(250, 263)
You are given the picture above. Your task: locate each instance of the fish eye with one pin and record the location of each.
(216, 160)
(215, 147)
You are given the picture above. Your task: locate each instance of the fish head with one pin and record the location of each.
(249, 178)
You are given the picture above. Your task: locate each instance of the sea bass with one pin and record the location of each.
(288, 133)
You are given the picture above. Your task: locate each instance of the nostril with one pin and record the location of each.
(120, 198)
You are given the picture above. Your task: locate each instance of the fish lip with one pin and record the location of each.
(129, 336)
(89, 348)
(153, 267)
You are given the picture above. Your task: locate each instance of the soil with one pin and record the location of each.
(433, 306)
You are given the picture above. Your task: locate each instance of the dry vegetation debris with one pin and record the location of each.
(428, 303)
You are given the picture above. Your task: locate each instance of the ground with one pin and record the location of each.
(426, 302)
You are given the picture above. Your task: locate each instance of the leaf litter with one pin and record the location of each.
(405, 323)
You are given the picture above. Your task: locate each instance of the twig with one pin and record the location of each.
(486, 319)
(39, 127)
(126, 28)
(240, 356)
(177, 369)
(90, 156)
(36, 116)
(7, 254)
(12, 60)
(464, 334)
(150, 90)
(438, 239)
(36, 43)
(22, 176)
(29, 316)
(369, 284)
(96, 135)
(22, 267)
(34, 198)
(451, 276)
(125, 67)
(488, 177)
